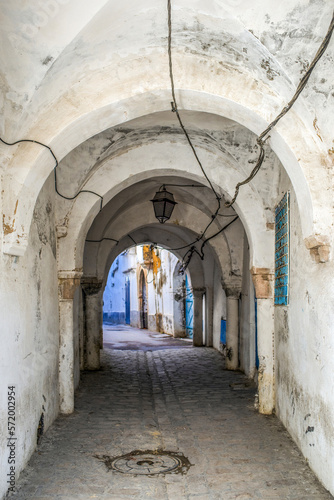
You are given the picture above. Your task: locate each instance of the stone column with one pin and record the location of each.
(232, 328)
(209, 317)
(67, 285)
(93, 322)
(198, 317)
(263, 283)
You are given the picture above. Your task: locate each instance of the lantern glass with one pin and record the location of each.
(163, 204)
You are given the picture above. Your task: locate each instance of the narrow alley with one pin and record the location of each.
(156, 393)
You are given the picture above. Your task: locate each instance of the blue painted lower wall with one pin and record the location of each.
(114, 318)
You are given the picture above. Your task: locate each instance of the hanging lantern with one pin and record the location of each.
(163, 204)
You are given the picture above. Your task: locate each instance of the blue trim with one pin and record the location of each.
(282, 244)
(223, 331)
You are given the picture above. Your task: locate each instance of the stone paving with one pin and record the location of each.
(180, 400)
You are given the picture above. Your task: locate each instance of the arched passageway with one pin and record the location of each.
(157, 273)
(218, 283)
(160, 399)
(91, 81)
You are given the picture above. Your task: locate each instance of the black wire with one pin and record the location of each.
(216, 234)
(76, 195)
(183, 185)
(102, 239)
(260, 140)
(175, 110)
(193, 250)
(185, 246)
(54, 169)
(250, 177)
(225, 215)
(132, 239)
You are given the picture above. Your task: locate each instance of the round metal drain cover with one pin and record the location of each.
(147, 462)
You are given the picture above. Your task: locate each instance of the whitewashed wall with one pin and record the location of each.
(304, 345)
(160, 290)
(29, 333)
(237, 63)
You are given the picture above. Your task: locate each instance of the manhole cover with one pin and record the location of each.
(147, 462)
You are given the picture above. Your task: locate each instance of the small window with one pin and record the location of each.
(282, 242)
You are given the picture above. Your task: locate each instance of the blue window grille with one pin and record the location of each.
(282, 242)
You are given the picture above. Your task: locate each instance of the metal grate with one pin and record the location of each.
(149, 462)
(282, 242)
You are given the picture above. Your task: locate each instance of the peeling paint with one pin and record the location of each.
(316, 128)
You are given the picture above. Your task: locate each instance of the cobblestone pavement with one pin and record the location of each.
(178, 400)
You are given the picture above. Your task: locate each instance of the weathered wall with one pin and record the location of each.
(219, 310)
(304, 353)
(247, 320)
(236, 64)
(161, 293)
(78, 335)
(160, 290)
(29, 335)
(122, 268)
(179, 301)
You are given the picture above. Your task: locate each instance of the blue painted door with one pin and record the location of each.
(127, 301)
(189, 310)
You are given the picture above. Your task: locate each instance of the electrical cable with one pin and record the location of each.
(132, 239)
(176, 111)
(193, 250)
(216, 234)
(183, 185)
(55, 170)
(302, 84)
(102, 239)
(260, 141)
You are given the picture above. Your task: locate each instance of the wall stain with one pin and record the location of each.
(316, 128)
(271, 73)
(7, 227)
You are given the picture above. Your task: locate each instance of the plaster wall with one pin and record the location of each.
(78, 335)
(29, 335)
(304, 347)
(64, 85)
(114, 293)
(247, 320)
(219, 310)
(160, 294)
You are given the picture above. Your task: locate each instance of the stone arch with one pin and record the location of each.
(41, 163)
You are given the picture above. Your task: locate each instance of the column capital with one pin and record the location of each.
(319, 247)
(232, 286)
(68, 282)
(263, 278)
(91, 285)
(232, 293)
